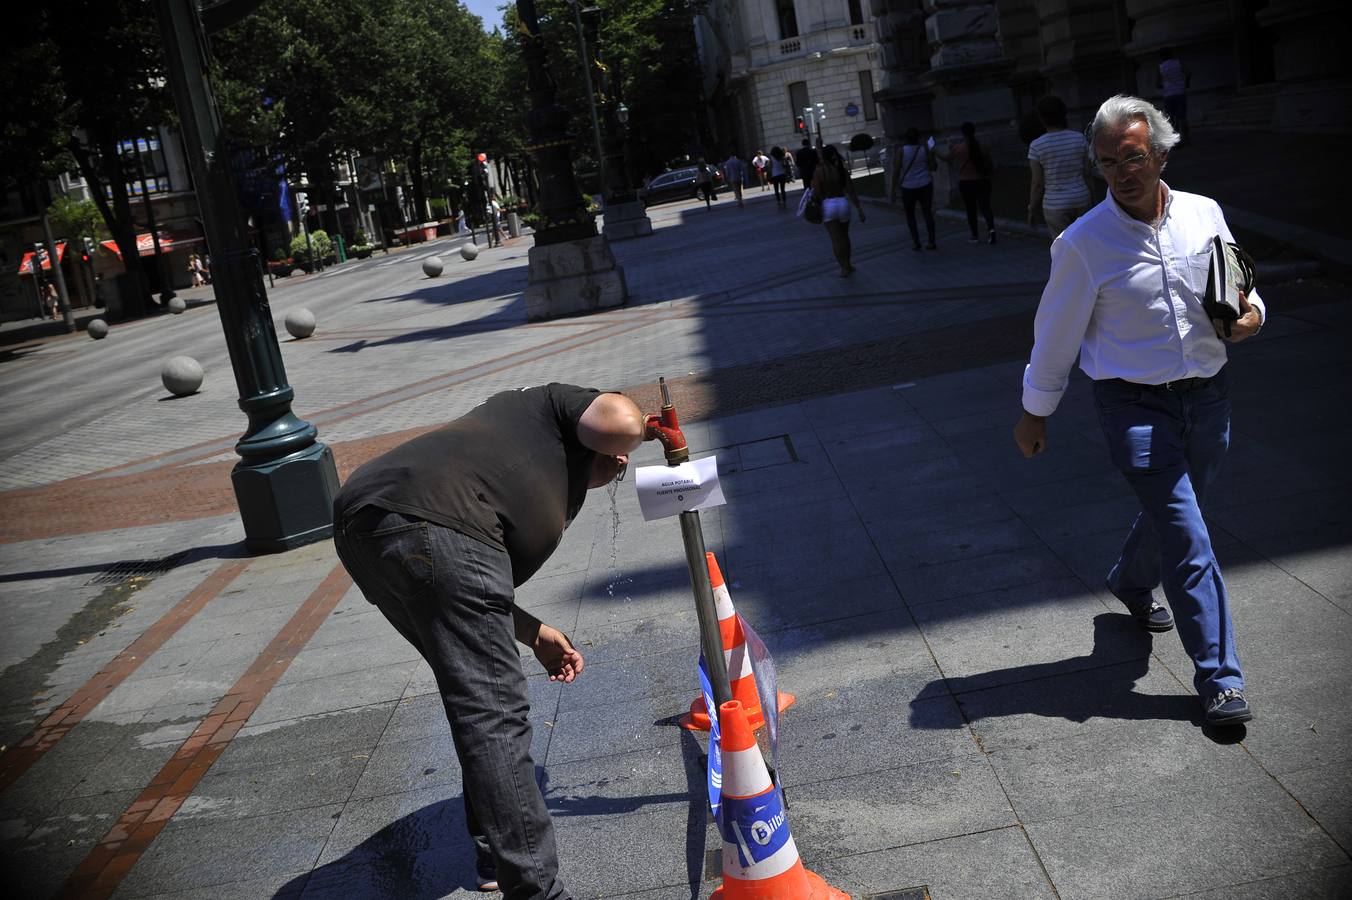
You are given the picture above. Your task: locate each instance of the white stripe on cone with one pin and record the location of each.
(778, 863)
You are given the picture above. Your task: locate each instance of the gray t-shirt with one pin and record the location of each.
(511, 473)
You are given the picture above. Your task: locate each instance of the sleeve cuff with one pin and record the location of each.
(1040, 402)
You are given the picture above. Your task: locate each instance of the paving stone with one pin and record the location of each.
(1168, 845)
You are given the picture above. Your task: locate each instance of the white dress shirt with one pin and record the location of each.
(1127, 296)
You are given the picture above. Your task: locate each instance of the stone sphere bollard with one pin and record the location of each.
(300, 322)
(177, 305)
(469, 251)
(182, 375)
(432, 266)
(97, 328)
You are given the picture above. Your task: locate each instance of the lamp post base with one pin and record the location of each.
(626, 220)
(288, 502)
(573, 277)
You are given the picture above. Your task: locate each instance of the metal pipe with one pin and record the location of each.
(710, 637)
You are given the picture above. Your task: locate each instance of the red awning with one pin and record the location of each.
(169, 242)
(26, 267)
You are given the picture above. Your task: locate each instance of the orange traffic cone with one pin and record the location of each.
(740, 678)
(760, 859)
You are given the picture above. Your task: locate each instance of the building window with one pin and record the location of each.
(797, 102)
(866, 91)
(788, 19)
(151, 157)
(856, 12)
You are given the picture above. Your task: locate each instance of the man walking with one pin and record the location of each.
(734, 173)
(1125, 293)
(807, 162)
(437, 533)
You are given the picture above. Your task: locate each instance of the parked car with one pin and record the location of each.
(678, 184)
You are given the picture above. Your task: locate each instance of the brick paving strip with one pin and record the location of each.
(19, 758)
(120, 849)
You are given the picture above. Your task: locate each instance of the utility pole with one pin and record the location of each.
(285, 480)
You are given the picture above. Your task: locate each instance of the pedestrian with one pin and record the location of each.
(734, 173)
(53, 302)
(761, 163)
(1125, 292)
(437, 533)
(974, 180)
(494, 214)
(195, 269)
(807, 162)
(204, 265)
(779, 174)
(1059, 160)
(1173, 77)
(832, 183)
(704, 181)
(915, 167)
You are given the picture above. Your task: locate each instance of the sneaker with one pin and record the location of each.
(991, 238)
(974, 240)
(486, 885)
(1150, 614)
(915, 247)
(1228, 708)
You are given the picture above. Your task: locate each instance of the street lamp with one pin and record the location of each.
(593, 15)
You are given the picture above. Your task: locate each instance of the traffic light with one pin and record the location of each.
(821, 112)
(799, 125)
(88, 250)
(302, 205)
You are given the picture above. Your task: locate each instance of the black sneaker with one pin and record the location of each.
(1228, 708)
(1150, 614)
(991, 237)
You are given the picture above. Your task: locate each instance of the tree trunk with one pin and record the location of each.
(415, 172)
(108, 179)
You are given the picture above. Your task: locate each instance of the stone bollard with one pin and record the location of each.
(469, 251)
(97, 328)
(432, 266)
(176, 305)
(182, 375)
(300, 322)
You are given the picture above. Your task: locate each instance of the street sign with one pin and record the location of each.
(851, 109)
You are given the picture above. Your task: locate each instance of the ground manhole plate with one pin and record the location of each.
(133, 568)
(915, 893)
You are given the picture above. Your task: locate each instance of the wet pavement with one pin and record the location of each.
(975, 715)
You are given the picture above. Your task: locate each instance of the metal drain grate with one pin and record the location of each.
(134, 568)
(915, 893)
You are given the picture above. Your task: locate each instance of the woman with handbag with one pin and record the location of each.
(833, 187)
(915, 164)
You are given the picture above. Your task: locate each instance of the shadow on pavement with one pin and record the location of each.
(1105, 685)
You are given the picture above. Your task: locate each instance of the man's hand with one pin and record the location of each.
(1245, 326)
(1031, 434)
(557, 654)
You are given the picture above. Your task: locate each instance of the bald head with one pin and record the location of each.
(612, 425)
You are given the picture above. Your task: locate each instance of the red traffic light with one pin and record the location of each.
(798, 123)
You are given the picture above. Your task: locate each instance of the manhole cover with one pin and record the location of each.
(132, 568)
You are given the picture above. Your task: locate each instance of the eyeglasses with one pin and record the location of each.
(1130, 164)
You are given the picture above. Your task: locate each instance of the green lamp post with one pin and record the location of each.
(285, 480)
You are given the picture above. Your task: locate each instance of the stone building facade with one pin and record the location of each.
(767, 59)
(1267, 64)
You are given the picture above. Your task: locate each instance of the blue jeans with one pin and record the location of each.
(451, 597)
(1170, 445)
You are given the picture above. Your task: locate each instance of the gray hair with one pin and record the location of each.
(1119, 110)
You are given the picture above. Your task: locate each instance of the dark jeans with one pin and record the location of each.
(925, 197)
(778, 182)
(977, 193)
(1170, 446)
(451, 597)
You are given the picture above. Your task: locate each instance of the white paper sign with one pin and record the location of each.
(668, 490)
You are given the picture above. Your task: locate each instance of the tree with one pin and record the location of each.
(651, 44)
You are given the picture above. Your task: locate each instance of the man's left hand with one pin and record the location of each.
(557, 654)
(1245, 326)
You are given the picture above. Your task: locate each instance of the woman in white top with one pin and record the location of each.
(915, 163)
(1059, 161)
